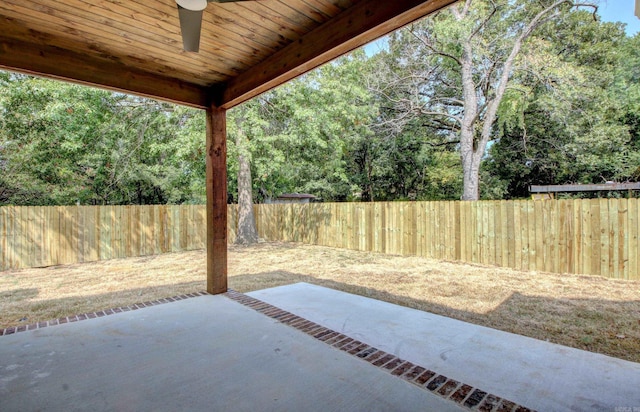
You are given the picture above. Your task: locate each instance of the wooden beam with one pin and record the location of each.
(216, 160)
(57, 63)
(362, 23)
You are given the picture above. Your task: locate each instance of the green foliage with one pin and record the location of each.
(65, 144)
(512, 108)
(303, 136)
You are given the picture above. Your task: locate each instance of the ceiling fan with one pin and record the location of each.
(190, 13)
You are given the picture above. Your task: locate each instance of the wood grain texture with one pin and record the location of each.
(216, 162)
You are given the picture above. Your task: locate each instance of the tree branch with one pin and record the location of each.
(443, 114)
(484, 22)
(436, 123)
(432, 48)
(442, 144)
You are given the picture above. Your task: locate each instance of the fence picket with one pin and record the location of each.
(3, 238)
(623, 255)
(633, 209)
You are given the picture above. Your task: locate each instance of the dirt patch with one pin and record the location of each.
(587, 312)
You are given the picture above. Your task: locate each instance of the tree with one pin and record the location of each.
(65, 144)
(456, 67)
(303, 135)
(575, 122)
(247, 232)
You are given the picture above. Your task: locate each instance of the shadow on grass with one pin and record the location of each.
(603, 326)
(19, 295)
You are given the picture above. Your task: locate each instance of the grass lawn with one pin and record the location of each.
(586, 312)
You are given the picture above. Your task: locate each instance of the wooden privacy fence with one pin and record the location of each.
(44, 236)
(597, 236)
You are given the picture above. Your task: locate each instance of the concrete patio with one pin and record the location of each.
(299, 347)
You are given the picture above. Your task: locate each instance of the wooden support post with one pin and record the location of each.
(216, 200)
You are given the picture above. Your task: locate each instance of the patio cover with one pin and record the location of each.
(246, 48)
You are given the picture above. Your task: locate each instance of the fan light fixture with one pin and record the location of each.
(193, 5)
(190, 13)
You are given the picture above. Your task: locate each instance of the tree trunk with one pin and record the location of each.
(471, 175)
(247, 233)
(468, 145)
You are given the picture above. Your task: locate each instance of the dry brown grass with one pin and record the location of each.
(586, 312)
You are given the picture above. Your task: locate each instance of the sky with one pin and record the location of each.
(620, 10)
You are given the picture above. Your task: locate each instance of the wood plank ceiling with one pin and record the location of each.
(246, 48)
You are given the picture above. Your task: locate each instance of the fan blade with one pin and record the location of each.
(190, 26)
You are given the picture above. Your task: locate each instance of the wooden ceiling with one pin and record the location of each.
(246, 48)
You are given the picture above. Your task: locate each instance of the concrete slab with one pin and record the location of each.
(204, 353)
(533, 373)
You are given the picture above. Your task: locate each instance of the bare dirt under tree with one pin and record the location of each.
(587, 312)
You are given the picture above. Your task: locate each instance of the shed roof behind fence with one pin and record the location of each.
(296, 196)
(583, 188)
